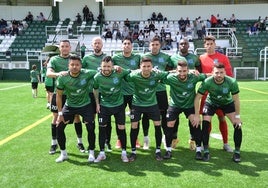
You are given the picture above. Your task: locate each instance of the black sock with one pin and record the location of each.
(168, 136)
(145, 124)
(108, 132)
(158, 136)
(197, 135)
(191, 129)
(123, 138)
(164, 120)
(175, 129)
(102, 137)
(53, 131)
(133, 138)
(91, 136)
(61, 135)
(237, 138)
(78, 129)
(205, 134)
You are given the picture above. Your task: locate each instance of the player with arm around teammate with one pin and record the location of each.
(182, 94)
(75, 86)
(223, 93)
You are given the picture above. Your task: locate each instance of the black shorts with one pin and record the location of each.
(49, 89)
(152, 112)
(34, 85)
(53, 104)
(106, 112)
(93, 102)
(174, 112)
(210, 109)
(162, 100)
(85, 111)
(128, 101)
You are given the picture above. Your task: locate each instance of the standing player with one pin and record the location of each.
(182, 94)
(207, 63)
(93, 61)
(144, 102)
(49, 84)
(35, 79)
(75, 87)
(108, 83)
(127, 60)
(57, 66)
(194, 66)
(162, 62)
(223, 93)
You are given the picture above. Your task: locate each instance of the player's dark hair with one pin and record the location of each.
(74, 57)
(107, 59)
(146, 59)
(127, 38)
(219, 65)
(182, 63)
(156, 39)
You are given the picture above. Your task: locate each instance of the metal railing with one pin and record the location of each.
(223, 33)
(234, 52)
(263, 58)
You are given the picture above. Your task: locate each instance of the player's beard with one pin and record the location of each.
(97, 51)
(106, 72)
(219, 80)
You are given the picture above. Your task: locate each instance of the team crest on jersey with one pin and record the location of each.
(83, 82)
(225, 90)
(132, 62)
(161, 60)
(190, 85)
(190, 61)
(152, 82)
(115, 80)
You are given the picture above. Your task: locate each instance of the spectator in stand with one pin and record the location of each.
(108, 34)
(141, 38)
(4, 32)
(115, 27)
(118, 35)
(90, 17)
(182, 25)
(100, 18)
(208, 24)
(127, 23)
(29, 17)
(188, 30)
(85, 12)
(199, 29)
(168, 43)
(14, 30)
(162, 34)
(160, 17)
(151, 26)
(125, 32)
(187, 21)
(225, 23)
(219, 20)
(233, 19)
(167, 31)
(78, 18)
(41, 17)
(153, 18)
(136, 27)
(213, 21)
